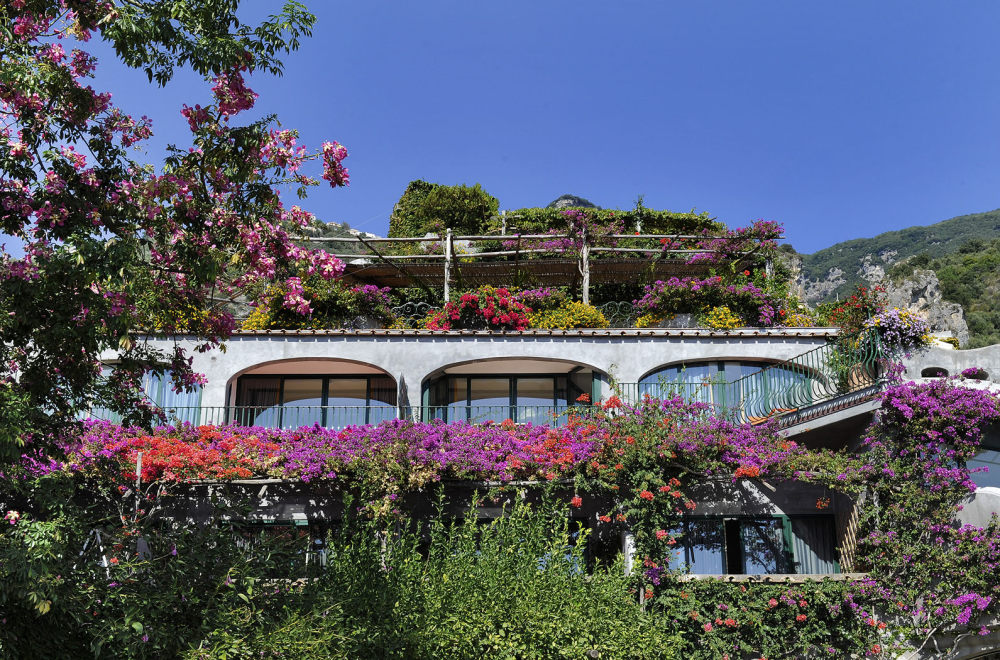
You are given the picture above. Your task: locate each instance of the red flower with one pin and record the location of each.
(612, 402)
(577, 501)
(646, 495)
(661, 534)
(800, 617)
(583, 398)
(747, 273)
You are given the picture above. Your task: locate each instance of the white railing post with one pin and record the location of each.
(447, 263)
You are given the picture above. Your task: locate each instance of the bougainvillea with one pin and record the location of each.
(752, 304)
(645, 468)
(112, 245)
(486, 308)
(320, 304)
(392, 456)
(899, 329)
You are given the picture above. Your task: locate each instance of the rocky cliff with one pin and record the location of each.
(921, 293)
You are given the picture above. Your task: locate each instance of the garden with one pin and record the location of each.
(640, 465)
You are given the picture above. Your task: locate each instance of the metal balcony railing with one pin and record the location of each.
(848, 370)
(283, 417)
(552, 415)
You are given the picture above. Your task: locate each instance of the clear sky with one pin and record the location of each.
(839, 119)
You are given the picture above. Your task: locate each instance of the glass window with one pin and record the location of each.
(302, 402)
(489, 399)
(535, 398)
(700, 546)
(690, 381)
(764, 549)
(346, 401)
(529, 398)
(331, 401)
(756, 546)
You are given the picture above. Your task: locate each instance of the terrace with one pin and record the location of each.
(836, 376)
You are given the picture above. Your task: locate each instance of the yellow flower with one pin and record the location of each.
(722, 318)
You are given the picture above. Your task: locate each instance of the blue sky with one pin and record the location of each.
(840, 120)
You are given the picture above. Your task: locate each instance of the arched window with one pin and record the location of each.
(755, 388)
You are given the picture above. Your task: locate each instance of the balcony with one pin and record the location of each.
(819, 382)
(822, 381)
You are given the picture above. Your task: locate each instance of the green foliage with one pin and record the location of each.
(511, 587)
(432, 208)
(541, 220)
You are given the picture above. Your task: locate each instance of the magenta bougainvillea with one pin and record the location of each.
(641, 466)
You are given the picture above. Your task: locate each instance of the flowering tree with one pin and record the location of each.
(113, 247)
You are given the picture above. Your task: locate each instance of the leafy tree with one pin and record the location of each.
(113, 247)
(432, 207)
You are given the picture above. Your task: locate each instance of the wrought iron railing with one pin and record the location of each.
(287, 417)
(409, 314)
(849, 368)
(551, 415)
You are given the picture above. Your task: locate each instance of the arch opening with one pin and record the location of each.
(294, 393)
(524, 390)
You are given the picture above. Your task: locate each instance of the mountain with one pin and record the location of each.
(320, 229)
(836, 270)
(567, 201)
(948, 271)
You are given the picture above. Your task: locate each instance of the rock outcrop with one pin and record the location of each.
(921, 293)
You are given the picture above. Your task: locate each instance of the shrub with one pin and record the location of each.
(570, 314)
(798, 320)
(851, 314)
(900, 329)
(431, 207)
(721, 318)
(330, 304)
(486, 308)
(744, 299)
(543, 299)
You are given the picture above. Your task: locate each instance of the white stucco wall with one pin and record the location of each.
(410, 356)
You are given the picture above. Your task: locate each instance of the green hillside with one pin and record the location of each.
(971, 277)
(937, 240)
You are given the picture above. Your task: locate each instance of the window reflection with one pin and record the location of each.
(755, 546)
(330, 401)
